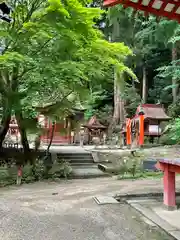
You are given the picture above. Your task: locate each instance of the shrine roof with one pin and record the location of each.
(153, 111)
(162, 8)
(94, 124)
(45, 108)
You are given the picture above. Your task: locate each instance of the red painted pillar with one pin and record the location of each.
(19, 175)
(141, 130)
(169, 188)
(128, 131)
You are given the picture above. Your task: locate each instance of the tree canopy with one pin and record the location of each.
(50, 50)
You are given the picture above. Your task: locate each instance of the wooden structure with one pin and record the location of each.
(13, 137)
(64, 130)
(154, 114)
(94, 129)
(170, 167)
(146, 122)
(161, 8)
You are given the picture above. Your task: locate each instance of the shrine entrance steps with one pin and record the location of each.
(82, 164)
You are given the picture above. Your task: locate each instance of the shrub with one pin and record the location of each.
(36, 172)
(64, 170)
(174, 131)
(27, 174)
(167, 140)
(128, 163)
(7, 175)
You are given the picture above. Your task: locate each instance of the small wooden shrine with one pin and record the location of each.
(64, 130)
(148, 117)
(94, 129)
(154, 114)
(146, 122)
(161, 8)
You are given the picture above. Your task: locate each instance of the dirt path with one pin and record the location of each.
(67, 211)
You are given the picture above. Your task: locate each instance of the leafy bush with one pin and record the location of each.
(174, 109)
(174, 130)
(27, 174)
(64, 169)
(167, 140)
(36, 172)
(127, 163)
(7, 175)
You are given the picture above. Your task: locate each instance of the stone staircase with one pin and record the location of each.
(82, 164)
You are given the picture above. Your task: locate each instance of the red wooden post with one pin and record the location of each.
(128, 131)
(20, 171)
(141, 130)
(169, 188)
(19, 175)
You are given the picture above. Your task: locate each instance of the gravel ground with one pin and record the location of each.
(67, 211)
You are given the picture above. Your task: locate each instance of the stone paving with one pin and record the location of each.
(154, 211)
(67, 211)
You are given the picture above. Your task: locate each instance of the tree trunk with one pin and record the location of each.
(117, 101)
(174, 80)
(24, 140)
(37, 142)
(7, 100)
(119, 111)
(52, 135)
(118, 115)
(6, 118)
(4, 128)
(144, 89)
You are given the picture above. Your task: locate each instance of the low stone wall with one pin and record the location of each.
(110, 156)
(119, 162)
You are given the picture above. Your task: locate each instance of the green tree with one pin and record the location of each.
(155, 44)
(163, 34)
(51, 50)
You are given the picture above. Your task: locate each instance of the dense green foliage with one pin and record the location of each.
(56, 52)
(51, 51)
(155, 44)
(58, 169)
(60, 53)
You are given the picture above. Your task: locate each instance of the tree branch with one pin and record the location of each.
(35, 53)
(34, 6)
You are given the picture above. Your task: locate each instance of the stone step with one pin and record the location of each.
(80, 161)
(87, 173)
(75, 158)
(75, 155)
(84, 165)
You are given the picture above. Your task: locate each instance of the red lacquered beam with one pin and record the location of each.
(173, 15)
